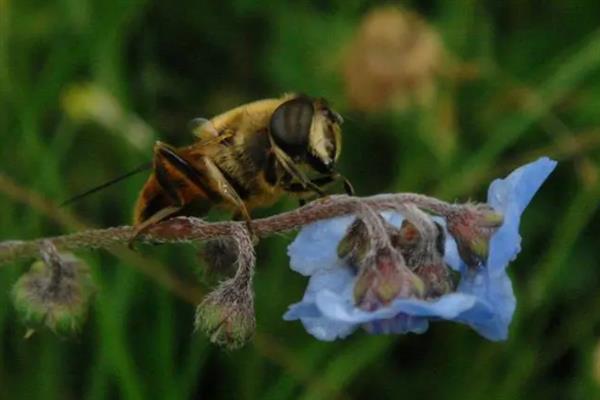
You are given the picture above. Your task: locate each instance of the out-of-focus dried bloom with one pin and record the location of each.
(55, 292)
(89, 102)
(393, 58)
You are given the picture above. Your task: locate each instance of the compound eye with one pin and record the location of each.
(290, 125)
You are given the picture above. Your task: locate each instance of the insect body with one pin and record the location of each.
(245, 158)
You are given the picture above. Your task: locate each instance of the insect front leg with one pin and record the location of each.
(348, 188)
(293, 171)
(301, 189)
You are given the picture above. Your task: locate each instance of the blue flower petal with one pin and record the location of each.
(400, 324)
(319, 237)
(326, 330)
(492, 314)
(321, 327)
(491, 285)
(510, 196)
(451, 256)
(340, 307)
(315, 247)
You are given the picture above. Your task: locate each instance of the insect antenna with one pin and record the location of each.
(141, 168)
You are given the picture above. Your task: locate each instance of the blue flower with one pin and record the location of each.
(484, 298)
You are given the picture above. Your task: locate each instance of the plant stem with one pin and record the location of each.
(188, 229)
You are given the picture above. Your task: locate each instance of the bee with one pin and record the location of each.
(243, 159)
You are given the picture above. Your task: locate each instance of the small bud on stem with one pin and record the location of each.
(226, 315)
(55, 291)
(472, 227)
(219, 257)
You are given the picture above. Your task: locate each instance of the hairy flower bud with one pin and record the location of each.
(355, 244)
(438, 279)
(424, 256)
(226, 315)
(472, 226)
(407, 240)
(219, 256)
(385, 280)
(55, 292)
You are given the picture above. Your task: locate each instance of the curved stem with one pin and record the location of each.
(187, 229)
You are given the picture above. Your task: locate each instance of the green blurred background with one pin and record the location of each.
(440, 103)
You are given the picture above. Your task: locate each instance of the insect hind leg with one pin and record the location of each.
(184, 184)
(163, 194)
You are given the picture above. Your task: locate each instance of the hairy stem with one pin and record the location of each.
(52, 259)
(187, 229)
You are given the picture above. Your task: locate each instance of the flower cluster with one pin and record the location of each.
(448, 267)
(390, 263)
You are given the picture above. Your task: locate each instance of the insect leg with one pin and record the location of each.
(160, 215)
(288, 165)
(299, 188)
(226, 190)
(170, 171)
(348, 188)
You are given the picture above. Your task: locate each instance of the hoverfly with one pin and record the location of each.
(245, 158)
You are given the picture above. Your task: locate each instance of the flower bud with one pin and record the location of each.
(437, 277)
(219, 256)
(55, 295)
(386, 279)
(355, 244)
(424, 256)
(407, 240)
(472, 227)
(226, 315)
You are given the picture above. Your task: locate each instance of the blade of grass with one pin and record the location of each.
(164, 356)
(342, 369)
(577, 216)
(113, 334)
(197, 355)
